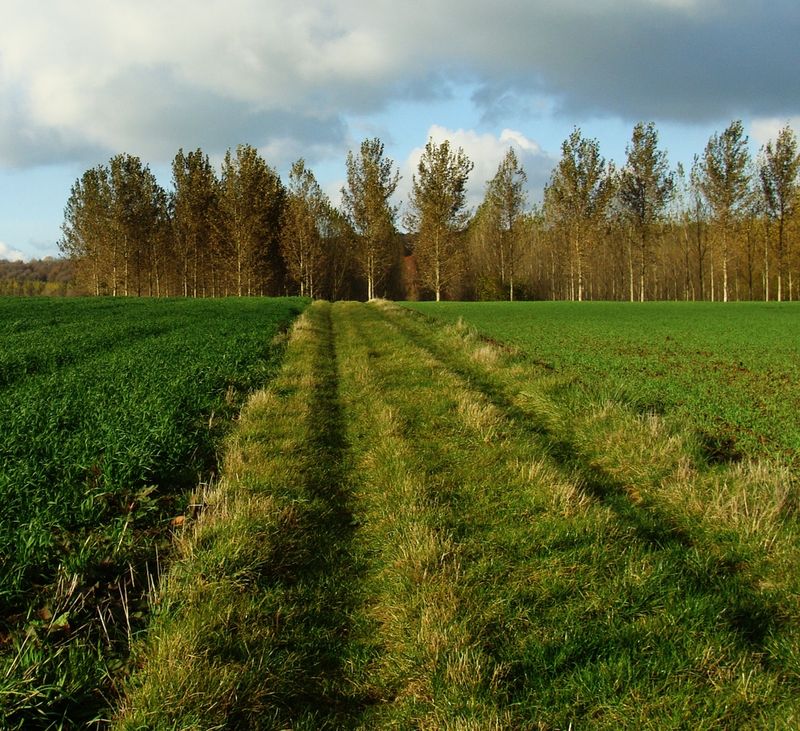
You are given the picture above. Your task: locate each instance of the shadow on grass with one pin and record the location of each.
(718, 578)
(321, 582)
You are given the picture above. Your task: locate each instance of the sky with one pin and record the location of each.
(83, 80)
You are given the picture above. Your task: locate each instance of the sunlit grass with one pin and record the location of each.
(728, 374)
(419, 527)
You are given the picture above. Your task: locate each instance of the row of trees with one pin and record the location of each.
(242, 232)
(642, 231)
(721, 232)
(48, 277)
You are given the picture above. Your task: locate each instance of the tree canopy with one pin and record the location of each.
(726, 231)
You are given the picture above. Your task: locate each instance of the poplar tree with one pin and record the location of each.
(161, 254)
(301, 237)
(778, 168)
(339, 241)
(698, 218)
(506, 199)
(724, 181)
(646, 186)
(87, 226)
(196, 214)
(577, 197)
(483, 263)
(136, 217)
(252, 200)
(437, 214)
(371, 182)
(115, 226)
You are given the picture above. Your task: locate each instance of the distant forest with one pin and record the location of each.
(37, 277)
(726, 229)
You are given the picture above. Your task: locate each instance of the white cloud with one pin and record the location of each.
(148, 76)
(9, 254)
(486, 151)
(765, 129)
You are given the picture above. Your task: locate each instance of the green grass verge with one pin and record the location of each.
(420, 529)
(730, 372)
(252, 624)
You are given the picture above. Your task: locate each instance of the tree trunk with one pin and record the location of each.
(766, 267)
(725, 265)
(642, 265)
(630, 268)
(780, 259)
(579, 265)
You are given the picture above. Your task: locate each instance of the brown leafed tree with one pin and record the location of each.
(724, 181)
(505, 202)
(437, 215)
(778, 168)
(646, 186)
(366, 200)
(196, 219)
(577, 197)
(252, 201)
(86, 229)
(115, 227)
(301, 235)
(339, 242)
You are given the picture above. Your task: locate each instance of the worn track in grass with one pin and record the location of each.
(444, 549)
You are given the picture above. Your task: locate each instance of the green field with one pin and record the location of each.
(435, 516)
(419, 527)
(111, 413)
(729, 372)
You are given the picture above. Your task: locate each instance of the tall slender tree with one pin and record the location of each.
(252, 201)
(506, 199)
(698, 219)
(778, 167)
(301, 236)
(136, 212)
(339, 241)
(87, 227)
(483, 266)
(645, 188)
(437, 216)
(160, 244)
(577, 196)
(366, 199)
(196, 215)
(724, 181)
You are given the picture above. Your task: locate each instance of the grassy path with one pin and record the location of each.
(417, 529)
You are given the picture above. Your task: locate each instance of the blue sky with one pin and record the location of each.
(82, 80)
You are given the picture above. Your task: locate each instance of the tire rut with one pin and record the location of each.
(751, 616)
(330, 572)
(417, 561)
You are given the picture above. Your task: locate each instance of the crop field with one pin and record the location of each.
(728, 372)
(111, 414)
(512, 517)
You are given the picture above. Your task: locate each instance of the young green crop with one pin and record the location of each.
(111, 411)
(731, 372)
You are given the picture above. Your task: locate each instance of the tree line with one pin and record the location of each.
(722, 230)
(48, 277)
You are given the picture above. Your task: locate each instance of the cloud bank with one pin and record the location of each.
(9, 254)
(486, 151)
(79, 80)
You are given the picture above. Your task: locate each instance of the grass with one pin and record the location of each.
(419, 527)
(112, 412)
(731, 372)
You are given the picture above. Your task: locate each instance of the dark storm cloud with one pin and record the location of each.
(688, 62)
